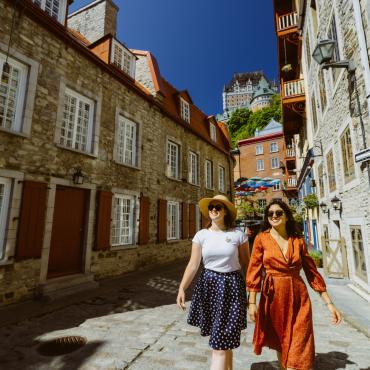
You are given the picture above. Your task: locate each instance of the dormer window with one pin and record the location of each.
(185, 110)
(123, 58)
(55, 8)
(213, 132)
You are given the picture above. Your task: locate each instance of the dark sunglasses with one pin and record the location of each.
(217, 207)
(278, 213)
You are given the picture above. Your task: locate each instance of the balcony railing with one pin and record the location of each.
(287, 21)
(293, 88)
(292, 182)
(290, 153)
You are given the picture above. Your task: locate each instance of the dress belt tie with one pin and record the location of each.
(268, 285)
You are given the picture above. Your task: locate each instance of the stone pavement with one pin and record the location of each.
(132, 323)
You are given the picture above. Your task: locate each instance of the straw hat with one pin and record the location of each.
(204, 203)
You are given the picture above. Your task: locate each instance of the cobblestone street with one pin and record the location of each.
(132, 323)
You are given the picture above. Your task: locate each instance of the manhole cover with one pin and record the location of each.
(61, 346)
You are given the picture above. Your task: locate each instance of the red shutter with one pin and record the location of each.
(32, 220)
(162, 220)
(103, 220)
(144, 220)
(185, 221)
(192, 220)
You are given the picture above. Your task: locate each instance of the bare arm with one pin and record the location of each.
(244, 256)
(190, 271)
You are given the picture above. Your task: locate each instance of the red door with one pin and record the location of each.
(68, 233)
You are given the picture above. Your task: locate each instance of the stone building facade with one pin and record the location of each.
(102, 161)
(332, 134)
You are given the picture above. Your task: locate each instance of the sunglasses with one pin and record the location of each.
(217, 207)
(278, 213)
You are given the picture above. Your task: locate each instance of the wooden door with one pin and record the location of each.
(334, 257)
(68, 232)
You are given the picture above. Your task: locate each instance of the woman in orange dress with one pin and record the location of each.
(284, 316)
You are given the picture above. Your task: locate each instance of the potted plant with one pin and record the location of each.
(316, 255)
(311, 201)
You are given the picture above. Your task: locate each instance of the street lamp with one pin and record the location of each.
(78, 177)
(323, 54)
(337, 204)
(324, 207)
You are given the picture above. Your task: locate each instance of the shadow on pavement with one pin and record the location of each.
(332, 361)
(133, 291)
(274, 365)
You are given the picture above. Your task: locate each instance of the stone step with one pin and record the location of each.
(66, 285)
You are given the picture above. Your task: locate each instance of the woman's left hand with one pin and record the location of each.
(335, 314)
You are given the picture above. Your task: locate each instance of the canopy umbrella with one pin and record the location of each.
(267, 179)
(256, 178)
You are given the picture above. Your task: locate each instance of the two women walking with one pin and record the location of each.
(284, 315)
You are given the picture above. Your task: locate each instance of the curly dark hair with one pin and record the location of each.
(291, 225)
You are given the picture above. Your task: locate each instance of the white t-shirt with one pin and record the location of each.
(220, 248)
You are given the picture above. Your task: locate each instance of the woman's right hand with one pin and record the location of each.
(252, 309)
(180, 300)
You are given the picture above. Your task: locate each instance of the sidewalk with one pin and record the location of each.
(354, 308)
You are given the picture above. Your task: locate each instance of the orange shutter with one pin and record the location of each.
(192, 220)
(185, 221)
(162, 220)
(31, 220)
(103, 220)
(144, 220)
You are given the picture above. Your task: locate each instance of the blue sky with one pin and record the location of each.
(199, 44)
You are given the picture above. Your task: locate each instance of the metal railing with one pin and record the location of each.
(293, 88)
(292, 181)
(287, 21)
(289, 152)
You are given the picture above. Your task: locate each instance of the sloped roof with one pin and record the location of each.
(243, 79)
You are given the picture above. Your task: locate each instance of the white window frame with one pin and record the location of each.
(171, 171)
(213, 132)
(89, 134)
(132, 224)
(185, 110)
(4, 213)
(61, 11)
(173, 216)
(259, 149)
(208, 174)
(122, 141)
(277, 165)
(221, 179)
(20, 93)
(123, 58)
(274, 147)
(277, 187)
(193, 168)
(260, 168)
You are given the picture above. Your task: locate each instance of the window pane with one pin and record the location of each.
(122, 223)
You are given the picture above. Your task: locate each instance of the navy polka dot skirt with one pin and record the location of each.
(218, 308)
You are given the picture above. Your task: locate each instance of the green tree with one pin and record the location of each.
(243, 123)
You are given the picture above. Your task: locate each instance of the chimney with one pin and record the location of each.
(95, 20)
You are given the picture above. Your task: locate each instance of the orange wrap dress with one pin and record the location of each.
(284, 316)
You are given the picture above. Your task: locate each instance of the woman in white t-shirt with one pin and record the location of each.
(219, 303)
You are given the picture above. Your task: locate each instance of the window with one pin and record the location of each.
(331, 172)
(320, 174)
(308, 48)
(358, 252)
(274, 147)
(12, 94)
(275, 162)
(173, 220)
(333, 35)
(127, 142)
(347, 156)
(221, 179)
(209, 174)
(193, 168)
(260, 165)
(322, 90)
(5, 187)
(77, 122)
(262, 203)
(314, 17)
(173, 160)
(122, 232)
(213, 132)
(313, 112)
(123, 58)
(55, 8)
(259, 149)
(277, 186)
(185, 110)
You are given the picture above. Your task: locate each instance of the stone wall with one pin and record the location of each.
(40, 158)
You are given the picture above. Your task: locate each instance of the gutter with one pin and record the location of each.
(302, 15)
